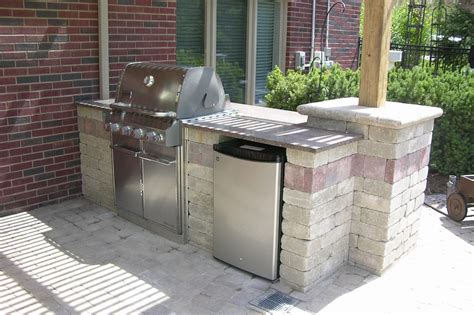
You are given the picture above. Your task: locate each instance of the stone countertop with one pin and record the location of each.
(288, 135)
(393, 115)
(261, 124)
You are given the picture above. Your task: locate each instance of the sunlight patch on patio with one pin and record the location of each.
(36, 268)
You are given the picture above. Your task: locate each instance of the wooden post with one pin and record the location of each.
(375, 52)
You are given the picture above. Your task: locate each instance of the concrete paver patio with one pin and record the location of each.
(77, 257)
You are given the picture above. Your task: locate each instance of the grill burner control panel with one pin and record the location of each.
(138, 133)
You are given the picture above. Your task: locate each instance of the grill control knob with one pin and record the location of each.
(154, 136)
(114, 127)
(138, 133)
(126, 131)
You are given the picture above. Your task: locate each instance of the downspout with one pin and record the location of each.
(313, 31)
(103, 17)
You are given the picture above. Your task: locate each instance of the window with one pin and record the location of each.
(242, 39)
(268, 42)
(190, 31)
(231, 46)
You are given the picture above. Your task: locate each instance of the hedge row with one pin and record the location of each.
(453, 136)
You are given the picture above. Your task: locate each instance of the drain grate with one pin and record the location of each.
(274, 302)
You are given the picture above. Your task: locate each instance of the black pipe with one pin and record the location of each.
(323, 28)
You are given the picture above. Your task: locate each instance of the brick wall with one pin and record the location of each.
(48, 60)
(298, 30)
(343, 30)
(140, 30)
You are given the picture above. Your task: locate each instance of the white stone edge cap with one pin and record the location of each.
(393, 115)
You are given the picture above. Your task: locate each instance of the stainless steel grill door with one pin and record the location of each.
(160, 195)
(127, 173)
(247, 214)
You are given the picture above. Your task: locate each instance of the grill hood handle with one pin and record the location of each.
(210, 100)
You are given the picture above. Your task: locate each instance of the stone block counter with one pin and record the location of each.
(354, 178)
(96, 155)
(318, 189)
(347, 199)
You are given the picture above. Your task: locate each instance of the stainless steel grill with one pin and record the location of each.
(147, 142)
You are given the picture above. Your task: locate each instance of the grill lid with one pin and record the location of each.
(169, 91)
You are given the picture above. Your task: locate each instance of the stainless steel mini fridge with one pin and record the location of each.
(247, 205)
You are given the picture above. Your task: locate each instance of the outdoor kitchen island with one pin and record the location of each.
(350, 195)
(317, 193)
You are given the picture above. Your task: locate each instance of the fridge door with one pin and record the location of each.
(247, 213)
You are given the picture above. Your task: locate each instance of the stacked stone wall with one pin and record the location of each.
(96, 157)
(318, 198)
(200, 187)
(391, 172)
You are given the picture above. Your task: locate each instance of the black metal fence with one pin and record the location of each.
(451, 58)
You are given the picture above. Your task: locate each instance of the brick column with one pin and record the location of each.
(390, 171)
(96, 157)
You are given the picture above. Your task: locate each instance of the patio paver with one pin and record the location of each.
(77, 257)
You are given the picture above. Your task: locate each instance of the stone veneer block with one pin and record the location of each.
(199, 171)
(200, 185)
(307, 200)
(90, 112)
(203, 137)
(328, 124)
(307, 159)
(199, 153)
(200, 212)
(316, 179)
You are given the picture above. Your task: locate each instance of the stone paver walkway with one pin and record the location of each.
(79, 258)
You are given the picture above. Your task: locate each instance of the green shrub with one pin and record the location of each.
(453, 136)
(296, 88)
